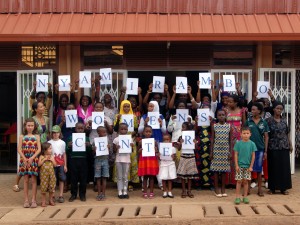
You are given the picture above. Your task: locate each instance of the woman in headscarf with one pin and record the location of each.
(157, 134)
(278, 153)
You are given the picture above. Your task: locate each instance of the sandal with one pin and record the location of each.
(145, 195)
(189, 193)
(26, 204)
(43, 204)
(270, 192)
(285, 192)
(183, 195)
(16, 188)
(51, 203)
(260, 194)
(33, 204)
(151, 195)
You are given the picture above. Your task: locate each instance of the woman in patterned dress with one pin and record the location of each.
(29, 148)
(236, 117)
(220, 152)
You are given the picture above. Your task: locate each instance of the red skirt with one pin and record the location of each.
(148, 165)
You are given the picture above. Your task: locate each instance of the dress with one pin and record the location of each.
(202, 153)
(279, 156)
(235, 121)
(220, 162)
(47, 175)
(42, 129)
(29, 148)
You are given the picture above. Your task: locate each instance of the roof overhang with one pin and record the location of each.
(148, 27)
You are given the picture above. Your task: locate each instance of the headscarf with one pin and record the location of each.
(121, 107)
(156, 107)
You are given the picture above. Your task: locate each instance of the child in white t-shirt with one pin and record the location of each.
(59, 153)
(167, 170)
(122, 163)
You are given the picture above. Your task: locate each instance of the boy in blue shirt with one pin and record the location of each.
(244, 156)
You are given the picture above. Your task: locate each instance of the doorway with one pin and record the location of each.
(8, 122)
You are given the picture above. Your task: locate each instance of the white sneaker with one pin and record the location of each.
(266, 185)
(253, 185)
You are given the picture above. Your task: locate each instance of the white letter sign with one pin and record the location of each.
(204, 79)
(262, 89)
(166, 151)
(188, 144)
(85, 79)
(132, 86)
(78, 142)
(148, 146)
(181, 85)
(41, 83)
(153, 120)
(124, 143)
(71, 118)
(106, 76)
(64, 82)
(158, 84)
(229, 82)
(128, 119)
(203, 117)
(182, 115)
(97, 119)
(101, 146)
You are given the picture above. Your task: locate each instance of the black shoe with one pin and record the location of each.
(126, 196)
(72, 198)
(82, 198)
(120, 196)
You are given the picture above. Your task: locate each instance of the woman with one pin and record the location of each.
(236, 116)
(42, 121)
(278, 153)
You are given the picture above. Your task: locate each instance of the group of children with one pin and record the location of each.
(53, 159)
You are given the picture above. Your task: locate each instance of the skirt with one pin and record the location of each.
(279, 169)
(187, 168)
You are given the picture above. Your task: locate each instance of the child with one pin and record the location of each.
(78, 166)
(29, 148)
(101, 168)
(167, 170)
(59, 152)
(244, 156)
(187, 169)
(148, 165)
(259, 130)
(220, 152)
(122, 163)
(48, 179)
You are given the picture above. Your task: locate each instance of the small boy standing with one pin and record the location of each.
(101, 168)
(244, 156)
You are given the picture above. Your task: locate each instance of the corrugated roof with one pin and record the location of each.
(147, 27)
(151, 6)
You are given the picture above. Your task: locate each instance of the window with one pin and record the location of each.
(102, 55)
(233, 55)
(39, 56)
(282, 55)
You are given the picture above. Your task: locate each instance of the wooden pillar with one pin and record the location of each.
(264, 59)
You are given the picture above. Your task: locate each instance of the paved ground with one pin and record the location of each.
(204, 208)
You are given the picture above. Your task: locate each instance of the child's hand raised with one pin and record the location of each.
(147, 120)
(119, 116)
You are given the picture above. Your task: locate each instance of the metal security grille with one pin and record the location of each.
(282, 84)
(244, 77)
(118, 81)
(297, 139)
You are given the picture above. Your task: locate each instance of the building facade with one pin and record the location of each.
(251, 39)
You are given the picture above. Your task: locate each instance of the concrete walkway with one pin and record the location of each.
(205, 207)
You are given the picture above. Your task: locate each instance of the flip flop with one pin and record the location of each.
(260, 194)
